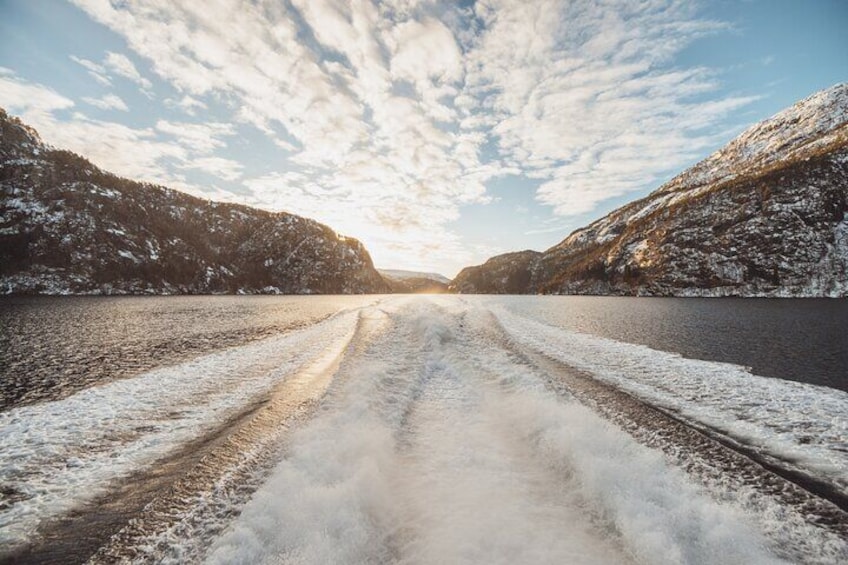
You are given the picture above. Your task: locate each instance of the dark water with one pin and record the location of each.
(51, 347)
(802, 340)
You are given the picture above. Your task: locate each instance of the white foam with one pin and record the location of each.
(435, 444)
(328, 501)
(59, 454)
(444, 448)
(801, 423)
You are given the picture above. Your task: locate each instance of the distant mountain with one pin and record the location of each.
(67, 227)
(414, 282)
(404, 275)
(767, 215)
(509, 273)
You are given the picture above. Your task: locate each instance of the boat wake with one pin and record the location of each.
(430, 430)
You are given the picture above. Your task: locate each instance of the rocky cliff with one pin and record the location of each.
(767, 215)
(67, 227)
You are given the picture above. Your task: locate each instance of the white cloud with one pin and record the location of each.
(96, 71)
(202, 138)
(107, 102)
(32, 102)
(426, 54)
(145, 154)
(390, 160)
(226, 169)
(585, 98)
(188, 104)
(245, 52)
(122, 66)
(425, 51)
(391, 116)
(131, 152)
(117, 63)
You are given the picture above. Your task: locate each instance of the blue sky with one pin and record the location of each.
(439, 133)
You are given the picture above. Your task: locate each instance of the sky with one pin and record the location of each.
(438, 133)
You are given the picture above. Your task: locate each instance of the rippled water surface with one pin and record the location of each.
(53, 346)
(422, 429)
(803, 340)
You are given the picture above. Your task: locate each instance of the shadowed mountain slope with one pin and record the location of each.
(67, 227)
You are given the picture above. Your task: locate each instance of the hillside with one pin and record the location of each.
(510, 273)
(767, 215)
(67, 227)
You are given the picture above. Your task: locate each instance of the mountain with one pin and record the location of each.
(67, 227)
(509, 273)
(405, 275)
(411, 282)
(767, 215)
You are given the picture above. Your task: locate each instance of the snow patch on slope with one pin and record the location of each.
(771, 140)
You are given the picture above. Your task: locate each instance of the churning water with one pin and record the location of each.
(428, 429)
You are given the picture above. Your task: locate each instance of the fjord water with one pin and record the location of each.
(803, 339)
(53, 346)
(420, 429)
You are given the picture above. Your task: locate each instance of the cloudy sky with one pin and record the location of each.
(439, 133)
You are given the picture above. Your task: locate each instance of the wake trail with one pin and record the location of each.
(628, 493)
(799, 525)
(188, 428)
(469, 493)
(442, 446)
(329, 499)
(181, 522)
(416, 430)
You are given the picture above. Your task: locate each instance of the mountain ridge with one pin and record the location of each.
(766, 215)
(402, 274)
(414, 282)
(68, 227)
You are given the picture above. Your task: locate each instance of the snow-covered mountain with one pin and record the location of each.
(767, 215)
(67, 227)
(404, 275)
(414, 282)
